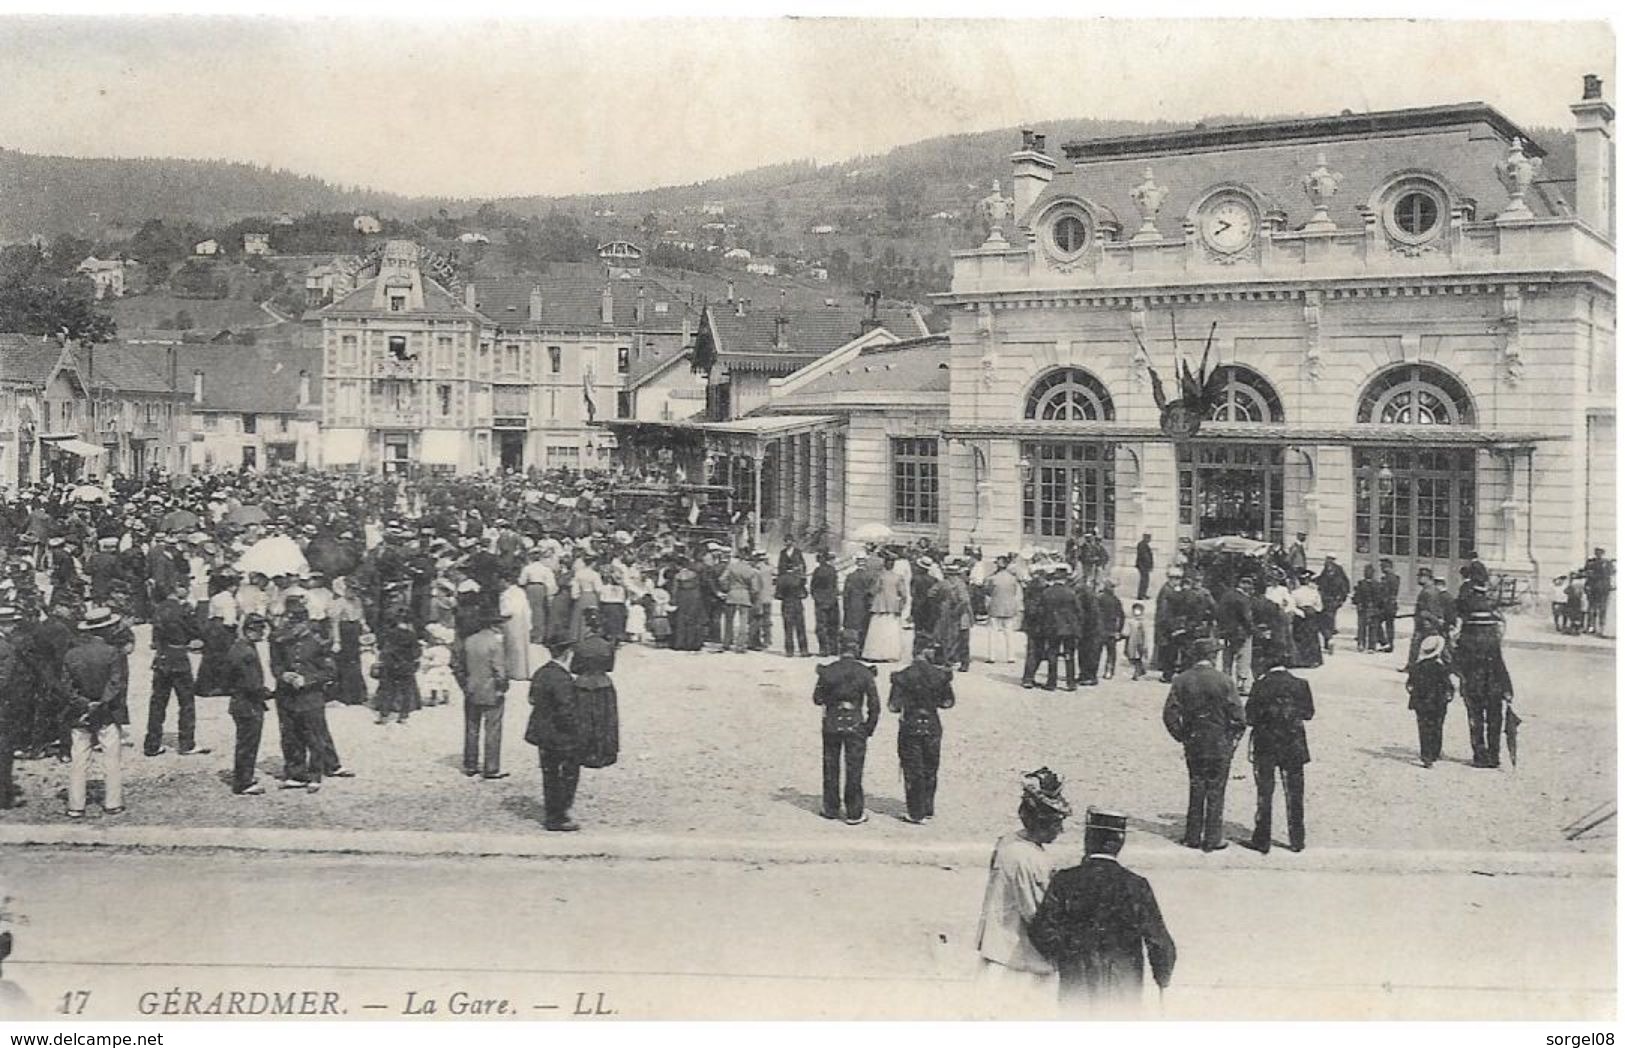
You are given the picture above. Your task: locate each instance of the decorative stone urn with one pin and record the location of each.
(1517, 173)
(1320, 185)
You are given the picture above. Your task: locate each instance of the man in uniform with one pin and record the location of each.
(826, 605)
(1599, 585)
(1204, 714)
(1276, 710)
(98, 678)
(303, 663)
(846, 690)
(174, 634)
(250, 681)
(555, 730)
(1388, 583)
(737, 587)
(791, 590)
(1333, 583)
(1100, 923)
(918, 691)
(1486, 687)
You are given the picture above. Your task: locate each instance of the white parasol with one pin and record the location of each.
(873, 533)
(278, 555)
(88, 493)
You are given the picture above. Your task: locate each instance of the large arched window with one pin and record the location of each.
(1416, 395)
(1246, 396)
(1068, 395)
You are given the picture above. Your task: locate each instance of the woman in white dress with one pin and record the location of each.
(884, 641)
(514, 607)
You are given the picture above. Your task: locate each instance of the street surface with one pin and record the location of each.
(715, 940)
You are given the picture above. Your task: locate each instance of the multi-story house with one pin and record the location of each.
(253, 407)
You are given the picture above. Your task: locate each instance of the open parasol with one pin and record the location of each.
(1233, 544)
(873, 533)
(247, 515)
(88, 493)
(278, 555)
(178, 520)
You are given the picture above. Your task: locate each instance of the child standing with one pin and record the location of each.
(1560, 603)
(436, 680)
(1134, 643)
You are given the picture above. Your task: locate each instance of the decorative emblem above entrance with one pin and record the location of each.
(1200, 391)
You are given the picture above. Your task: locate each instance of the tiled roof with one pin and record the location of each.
(436, 299)
(260, 378)
(573, 301)
(1460, 145)
(915, 366)
(119, 367)
(27, 358)
(811, 332)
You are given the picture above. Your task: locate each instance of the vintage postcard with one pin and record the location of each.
(807, 519)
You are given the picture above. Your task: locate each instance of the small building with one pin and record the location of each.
(256, 243)
(473, 238)
(736, 254)
(285, 219)
(762, 269)
(107, 274)
(206, 248)
(714, 208)
(253, 407)
(822, 230)
(367, 225)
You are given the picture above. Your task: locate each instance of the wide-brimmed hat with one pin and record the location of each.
(98, 619)
(1432, 648)
(1043, 789)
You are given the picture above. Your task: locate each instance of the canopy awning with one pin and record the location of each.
(74, 446)
(740, 435)
(1356, 435)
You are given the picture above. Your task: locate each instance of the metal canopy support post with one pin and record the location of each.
(757, 459)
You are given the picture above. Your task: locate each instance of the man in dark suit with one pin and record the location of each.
(250, 681)
(1388, 584)
(555, 730)
(791, 589)
(846, 690)
(174, 633)
(1233, 621)
(1204, 714)
(1276, 710)
(1144, 562)
(856, 597)
(1059, 606)
(1100, 923)
(826, 599)
(918, 691)
(1089, 633)
(1035, 624)
(303, 663)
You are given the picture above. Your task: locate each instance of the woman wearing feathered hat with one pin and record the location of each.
(1018, 980)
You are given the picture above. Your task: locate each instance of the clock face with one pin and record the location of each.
(1228, 224)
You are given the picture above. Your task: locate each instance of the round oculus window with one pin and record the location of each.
(1416, 214)
(1069, 234)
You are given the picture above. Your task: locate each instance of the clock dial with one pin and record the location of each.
(1228, 225)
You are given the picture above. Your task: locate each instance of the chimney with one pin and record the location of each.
(1033, 170)
(780, 324)
(739, 305)
(197, 387)
(1594, 158)
(784, 297)
(637, 307)
(606, 305)
(730, 291)
(535, 302)
(871, 299)
(304, 389)
(470, 298)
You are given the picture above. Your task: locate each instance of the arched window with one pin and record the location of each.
(1246, 396)
(1416, 395)
(1069, 394)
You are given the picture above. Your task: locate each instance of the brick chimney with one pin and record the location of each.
(1032, 171)
(1594, 158)
(535, 302)
(197, 387)
(637, 307)
(606, 305)
(871, 299)
(740, 305)
(471, 298)
(781, 323)
(730, 291)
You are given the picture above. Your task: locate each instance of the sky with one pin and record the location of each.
(482, 107)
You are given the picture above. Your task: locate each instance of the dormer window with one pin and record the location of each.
(1416, 213)
(1070, 234)
(1414, 210)
(397, 303)
(1066, 231)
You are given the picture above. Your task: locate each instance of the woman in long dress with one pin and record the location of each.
(584, 587)
(690, 622)
(349, 622)
(884, 641)
(514, 607)
(397, 669)
(562, 604)
(596, 702)
(540, 584)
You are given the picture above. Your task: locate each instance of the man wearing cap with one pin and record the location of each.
(1486, 687)
(1233, 618)
(1035, 623)
(1100, 923)
(1279, 705)
(953, 611)
(918, 691)
(846, 690)
(174, 634)
(737, 586)
(1388, 584)
(102, 567)
(1064, 618)
(1204, 714)
(303, 663)
(98, 676)
(857, 595)
(1144, 562)
(554, 729)
(791, 590)
(761, 594)
(1018, 981)
(481, 667)
(1334, 586)
(1599, 585)
(250, 681)
(825, 588)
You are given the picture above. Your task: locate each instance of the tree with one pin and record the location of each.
(65, 309)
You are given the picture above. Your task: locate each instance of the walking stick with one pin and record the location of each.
(1161, 1009)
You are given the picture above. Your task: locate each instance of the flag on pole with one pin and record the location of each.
(586, 396)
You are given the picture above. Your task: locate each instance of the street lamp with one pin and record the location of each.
(1026, 466)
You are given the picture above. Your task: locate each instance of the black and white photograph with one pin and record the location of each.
(573, 520)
